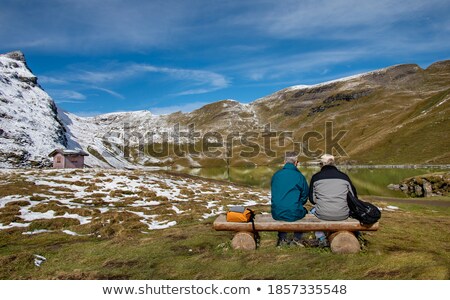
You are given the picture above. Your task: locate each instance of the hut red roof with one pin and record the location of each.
(67, 152)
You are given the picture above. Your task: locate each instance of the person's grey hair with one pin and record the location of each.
(327, 160)
(290, 157)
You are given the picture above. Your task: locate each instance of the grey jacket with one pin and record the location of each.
(328, 192)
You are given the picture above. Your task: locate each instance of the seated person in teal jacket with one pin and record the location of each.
(289, 194)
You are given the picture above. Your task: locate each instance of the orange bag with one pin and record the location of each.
(239, 214)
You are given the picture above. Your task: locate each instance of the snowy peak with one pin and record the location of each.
(380, 76)
(396, 77)
(131, 114)
(16, 55)
(14, 65)
(29, 126)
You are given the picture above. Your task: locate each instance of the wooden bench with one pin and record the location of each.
(341, 238)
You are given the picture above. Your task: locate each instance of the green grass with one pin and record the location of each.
(412, 243)
(398, 122)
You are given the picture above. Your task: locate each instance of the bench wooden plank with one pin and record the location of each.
(308, 223)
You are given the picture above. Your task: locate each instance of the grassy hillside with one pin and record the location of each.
(120, 225)
(397, 115)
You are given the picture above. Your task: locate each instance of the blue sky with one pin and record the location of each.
(95, 56)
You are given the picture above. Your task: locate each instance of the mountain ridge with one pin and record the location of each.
(401, 94)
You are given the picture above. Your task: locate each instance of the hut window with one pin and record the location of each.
(58, 159)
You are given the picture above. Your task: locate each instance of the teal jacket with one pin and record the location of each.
(289, 194)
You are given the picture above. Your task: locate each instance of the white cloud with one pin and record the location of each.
(91, 25)
(274, 67)
(67, 96)
(260, 41)
(210, 81)
(111, 74)
(323, 19)
(51, 80)
(110, 92)
(203, 81)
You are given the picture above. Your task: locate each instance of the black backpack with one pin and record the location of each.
(365, 212)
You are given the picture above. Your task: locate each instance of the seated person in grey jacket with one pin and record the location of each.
(328, 193)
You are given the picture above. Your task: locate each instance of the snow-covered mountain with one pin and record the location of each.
(106, 136)
(29, 126)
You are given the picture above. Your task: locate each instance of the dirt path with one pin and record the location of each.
(427, 202)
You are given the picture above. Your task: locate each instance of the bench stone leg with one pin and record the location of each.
(244, 240)
(344, 242)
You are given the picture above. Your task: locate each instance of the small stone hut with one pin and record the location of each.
(67, 159)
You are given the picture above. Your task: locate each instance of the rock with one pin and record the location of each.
(404, 187)
(16, 55)
(436, 184)
(427, 188)
(394, 187)
(418, 191)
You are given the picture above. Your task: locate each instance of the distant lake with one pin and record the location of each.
(368, 181)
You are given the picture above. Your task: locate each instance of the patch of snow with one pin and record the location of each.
(69, 232)
(350, 81)
(214, 212)
(83, 220)
(11, 198)
(13, 224)
(177, 210)
(31, 215)
(440, 103)
(211, 204)
(36, 231)
(38, 260)
(103, 209)
(56, 184)
(392, 207)
(145, 203)
(250, 203)
(297, 87)
(159, 225)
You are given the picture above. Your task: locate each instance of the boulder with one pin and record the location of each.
(418, 191)
(428, 185)
(394, 187)
(404, 187)
(427, 188)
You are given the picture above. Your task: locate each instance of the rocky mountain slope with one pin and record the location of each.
(122, 139)
(29, 126)
(399, 114)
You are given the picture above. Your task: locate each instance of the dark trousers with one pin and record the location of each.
(284, 235)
